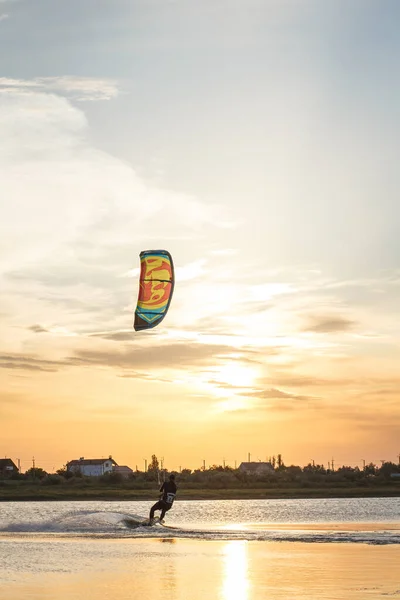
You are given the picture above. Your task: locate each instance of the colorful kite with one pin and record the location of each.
(155, 288)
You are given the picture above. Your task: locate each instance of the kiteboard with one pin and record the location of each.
(134, 522)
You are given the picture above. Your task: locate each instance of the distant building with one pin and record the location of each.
(256, 468)
(92, 467)
(123, 470)
(7, 467)
(395, 475)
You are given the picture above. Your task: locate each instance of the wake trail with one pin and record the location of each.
(118, 525)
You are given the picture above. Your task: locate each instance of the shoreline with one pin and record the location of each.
(129, 495)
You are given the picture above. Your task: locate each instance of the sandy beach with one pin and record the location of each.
(175, 569)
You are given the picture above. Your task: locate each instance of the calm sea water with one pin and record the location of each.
(207, 549)
(368, 520)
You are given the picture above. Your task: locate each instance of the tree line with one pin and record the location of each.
(220, 476)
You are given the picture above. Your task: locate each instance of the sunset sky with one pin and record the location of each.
(256, 140)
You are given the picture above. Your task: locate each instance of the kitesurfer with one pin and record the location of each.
(167, 497)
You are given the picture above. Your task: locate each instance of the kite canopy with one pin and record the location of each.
(155, 288)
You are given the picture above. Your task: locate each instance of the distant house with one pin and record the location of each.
(7, 467)
(91, 467)
(256, 468)
(123, 470)
(395, 475)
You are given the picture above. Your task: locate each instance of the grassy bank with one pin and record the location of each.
(38, 492)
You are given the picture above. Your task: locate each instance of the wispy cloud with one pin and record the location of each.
(224, 252)
(77, 88)
(329, 324)
(289, 380)
(4, 17)
(28, 363)
(126, 335)
(38, 329)
(191, 271)
(296, 400)
(174, 355)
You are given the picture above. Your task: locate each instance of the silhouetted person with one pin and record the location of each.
(167, 497)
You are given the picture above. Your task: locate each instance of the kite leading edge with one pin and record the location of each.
(156, 286)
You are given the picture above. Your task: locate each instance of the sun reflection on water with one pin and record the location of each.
(236, 583)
